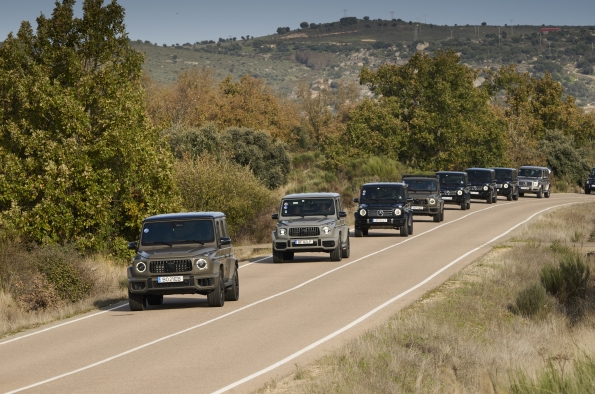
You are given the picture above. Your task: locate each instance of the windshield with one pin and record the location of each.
(414, 185)
(383, 194)
(479, 176)
(308, 207)
(530, 172)
(177, 232)
(504, 174)
(452, 179)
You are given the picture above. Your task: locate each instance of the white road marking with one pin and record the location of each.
(256, 261)
(278, 295)
(373, 311)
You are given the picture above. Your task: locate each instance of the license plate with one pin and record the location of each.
(525, 188)
(380, 220)
(474, 192)
(303, 242)
(417, 207)
(168, 279)
(447, 198)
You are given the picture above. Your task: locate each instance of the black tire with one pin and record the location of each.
(287, 256)
(155, 300)
(547, 194)
(489, 200)
(468, 204)
(587, 191)
(216, 298)
(137, 302)
(278, 256)
(509, 197)
(464, 206)
(359, 232)
(495, 198)
(232, 293)
(539, 193)
(347, 251)
(365, 231)
(404, 230)
(436, 218)
(410, 227)
(442, 214)
(521, 194)
(336, 254)
(515, 197)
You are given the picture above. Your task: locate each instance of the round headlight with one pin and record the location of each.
(459, 192)
(485, 188)
(201, 264)
(326, 230)
(363, 212)
(506, 185)
(534, 183)
(282, 231)
(141, 267)
(398, 212)
(432, 201)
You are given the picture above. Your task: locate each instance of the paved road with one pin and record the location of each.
(287, 313)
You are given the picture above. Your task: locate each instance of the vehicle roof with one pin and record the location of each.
(451, 172)
(385, 184)
(426, 177)
(538, 167)
(502, 168)
(313, 195)
(478, 169)
(185, 216)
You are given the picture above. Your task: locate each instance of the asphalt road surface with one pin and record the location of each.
(290, 313)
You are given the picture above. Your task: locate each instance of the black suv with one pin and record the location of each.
(383, 206)
(507, 182)
(183, 253)
(590, 182)
(482, 184)
(425, 191)
(454, 188)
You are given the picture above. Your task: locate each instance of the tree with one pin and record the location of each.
(81, 162)
(304, 25)
(483, 24)
(366, 18)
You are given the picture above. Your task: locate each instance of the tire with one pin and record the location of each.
(347, 251)
(442, 214)
(216, 298)
(278, 256)
(336, 254)
(359, 232)
(137, 302)
(489, 200)
(509, 197)
(539, 193)
(547, 194)
(410, 227)
(495, 198)
(365, 231)
(436, 218)
(232, 293)
(468, 204)
(464, 206)
(521, 194)
(155, 300)
(587, 191)
(404, 230)
(515, 197)
(287, 256)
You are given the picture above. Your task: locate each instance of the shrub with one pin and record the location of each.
(532, 301)
(568, 281)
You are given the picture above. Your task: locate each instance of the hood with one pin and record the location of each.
(309, 221)
(382, 205)
(480, 183)
(423, 193)
(503, 180)
(179, 251)
(452, 187)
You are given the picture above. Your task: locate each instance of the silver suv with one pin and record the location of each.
(536, 180)
(183, 253)
(310, 222)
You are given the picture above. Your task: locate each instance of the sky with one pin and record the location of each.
(182, 21)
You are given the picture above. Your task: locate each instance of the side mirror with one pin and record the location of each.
(275, 216)
(225, 241)
(356, 200)
(342, 214)
(132, 245)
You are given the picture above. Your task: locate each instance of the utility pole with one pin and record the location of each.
(344, 13)
(511, 27)
(392, 15)
(499, 35)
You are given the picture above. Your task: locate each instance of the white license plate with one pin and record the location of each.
(447, 198)
(380, 220)
(303, 242)
(474, 192)
(524, 188)
(167, 279)
(417, 208)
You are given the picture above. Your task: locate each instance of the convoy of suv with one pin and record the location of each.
(191, 253)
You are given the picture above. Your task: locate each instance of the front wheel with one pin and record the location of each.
(539, 193)
(495, 198)
(515, 197)
(278, 256)
(547, 194)
(137, 302)
(365, 231)
(489, 200)
(336, 254)
(288, 256)
(347, 251)
(410, 227)
(359, 232)
(587, 191)
(216, 298)
(436, 217)
(232, 293)
(509, 197)
(521, 194)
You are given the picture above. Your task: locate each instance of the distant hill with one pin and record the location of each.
(336, 51)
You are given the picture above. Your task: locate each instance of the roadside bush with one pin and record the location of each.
(531, 301)
(568, 281)
(193, 141)
(207, 184)
(565, 160)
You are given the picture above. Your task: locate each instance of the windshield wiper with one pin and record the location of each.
(193, 241)
(160, 242)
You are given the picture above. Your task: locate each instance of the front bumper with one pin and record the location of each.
(377, 222)
(425, 210)
(305, 244)
(502, 191)
(480, 194)
(454, 199)
(190, 284)
(529, 189)
(590, 186)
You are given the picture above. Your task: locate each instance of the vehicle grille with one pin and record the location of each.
(158, 285)
(205, 282)
(280, 245)
(420, 201)
(328, 244)
(137, 285)
(169, 266)
(304, 231)
(525, 183)
(382, 212)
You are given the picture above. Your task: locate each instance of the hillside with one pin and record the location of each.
(338, 50)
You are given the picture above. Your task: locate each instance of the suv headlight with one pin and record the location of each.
(459, 192)
(398, 212)
(326, 230)
(282, 231)
(363, 212)
(141, 266)
(485, 188)
(432, 201)
(201, 264)
(534, 183)
(506, 185)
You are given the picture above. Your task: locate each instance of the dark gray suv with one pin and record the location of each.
(183, 253)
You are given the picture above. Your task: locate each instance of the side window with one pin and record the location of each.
(224, 228)
(218, 230)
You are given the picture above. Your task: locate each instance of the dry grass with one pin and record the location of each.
(463, 337)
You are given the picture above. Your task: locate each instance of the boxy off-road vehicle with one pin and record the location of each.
(535, 180)
(183, 253)
(482, 184)
(425, 192)
(454, 188)
(507, 182)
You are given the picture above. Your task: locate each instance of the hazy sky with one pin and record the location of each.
(181, 21)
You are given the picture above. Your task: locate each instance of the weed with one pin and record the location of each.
(531, 302)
